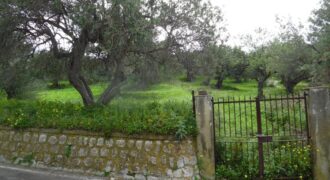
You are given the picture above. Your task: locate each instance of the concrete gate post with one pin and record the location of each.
(205, 137)
(319, 122)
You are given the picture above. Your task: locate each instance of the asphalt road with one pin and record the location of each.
(9, 172)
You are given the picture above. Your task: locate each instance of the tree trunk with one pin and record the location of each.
(56, 84)
(190, 76)
(289, 86)
(114, 88)
(261, 89)
(77, 80)
(207, 81)
(219, 83)
(10, 94)
(238, 80)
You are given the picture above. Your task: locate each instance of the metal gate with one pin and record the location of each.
(264, 138)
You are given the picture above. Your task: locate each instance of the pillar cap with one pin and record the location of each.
(202, 93)
(318, 87)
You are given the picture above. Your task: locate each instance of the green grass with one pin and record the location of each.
(128, 118)
(174, 90)
(163, 108)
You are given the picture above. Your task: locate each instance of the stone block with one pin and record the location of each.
(180, 162)
(92, 142)
(26, 137)
(120, 143)
(140, 177)
(62, 139)
(88, 162)
(42, 138)
(148, 145)
(109, 142)
(82, 152)
(130, 143)
(153, 160)
(52, 140)
(104, 152)
(100, 142)
(94, 152)
(188, 172)
(139, 144)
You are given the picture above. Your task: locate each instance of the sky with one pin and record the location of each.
(244, 16)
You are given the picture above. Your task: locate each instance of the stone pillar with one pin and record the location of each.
(205, 137)
(319, 122)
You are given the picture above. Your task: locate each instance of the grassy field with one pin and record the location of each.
(174, 90)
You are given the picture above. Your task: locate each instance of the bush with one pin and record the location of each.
(238, 161)
(167, 118)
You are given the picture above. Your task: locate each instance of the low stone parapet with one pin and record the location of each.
(121, 156)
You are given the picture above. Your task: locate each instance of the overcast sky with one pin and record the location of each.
(244, 16)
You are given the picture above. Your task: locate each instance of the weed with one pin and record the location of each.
(68, 150)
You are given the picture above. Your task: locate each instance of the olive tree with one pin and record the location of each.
(293, 56)
(260, 58)
(112, 30)
(14, 53)
(320, 42)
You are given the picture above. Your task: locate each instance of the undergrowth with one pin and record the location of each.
(171, 118)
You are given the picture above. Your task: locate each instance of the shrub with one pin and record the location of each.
(286, 160)
(130, 118)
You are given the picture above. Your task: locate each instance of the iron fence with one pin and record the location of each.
(262, 138)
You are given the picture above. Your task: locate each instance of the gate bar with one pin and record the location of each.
(260, 143)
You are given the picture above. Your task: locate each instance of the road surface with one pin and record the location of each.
(9, 172)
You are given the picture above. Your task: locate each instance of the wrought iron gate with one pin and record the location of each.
(264, 138)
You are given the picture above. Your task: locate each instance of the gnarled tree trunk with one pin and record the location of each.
(116, 83)
(219, 83)
(261, 84)
(75, 78)
(190, 76)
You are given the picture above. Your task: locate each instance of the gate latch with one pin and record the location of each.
(263, 138)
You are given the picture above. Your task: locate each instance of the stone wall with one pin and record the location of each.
(319, 122)
(124, 157)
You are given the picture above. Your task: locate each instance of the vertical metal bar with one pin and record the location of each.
(229, 121)
(260, 146)
(271, 114)
(282, 115)
(277, 120)
(251, 115)
(294, 114)
(224, 118)
(219, 117)
(248, 155)
(193, 102)
(266, 118)
(278, 123)
(235, 123)
(266, 121)
(306, 116)
(246, 119)
(288, 107)
(240, 115)
(301, 125)
(214, 134)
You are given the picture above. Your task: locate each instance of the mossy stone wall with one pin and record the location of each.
(121, 156)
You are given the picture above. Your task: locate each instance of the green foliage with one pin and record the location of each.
(290, 160)
(293, 56)
(27, 159)
(131, 118)
(68, 150)
(47, 67)
(320, 38)
(13, 60)
(284, 160)
(106, 174)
